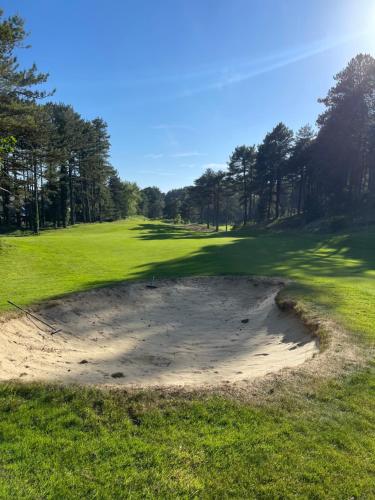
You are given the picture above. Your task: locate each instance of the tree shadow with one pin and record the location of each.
(163, 231)
(291, 255)
(295, 255)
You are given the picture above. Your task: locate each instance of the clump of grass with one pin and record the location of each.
(315, 324)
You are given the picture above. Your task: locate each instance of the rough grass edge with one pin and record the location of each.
(317, 327)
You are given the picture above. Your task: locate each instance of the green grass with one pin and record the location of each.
(72, 443)
(64, 443)
(333, 271)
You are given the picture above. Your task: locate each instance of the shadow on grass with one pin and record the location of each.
(290, 254)
(163, 231)
(308, 259)
(296, 255)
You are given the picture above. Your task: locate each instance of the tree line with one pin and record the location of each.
(311, 173)
(54, 164)
(55, 169)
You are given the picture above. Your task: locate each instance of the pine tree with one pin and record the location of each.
(242, 168)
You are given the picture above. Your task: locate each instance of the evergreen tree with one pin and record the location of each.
(343, 142)
(300, 167)
(242, 168)
(152, 202)
(273, 155)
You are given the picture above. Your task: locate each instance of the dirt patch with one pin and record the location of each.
(186, 332)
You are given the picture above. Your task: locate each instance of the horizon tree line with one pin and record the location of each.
(55, 169)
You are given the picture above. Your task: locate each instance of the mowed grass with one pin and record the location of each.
(72, 443)
(336, 272)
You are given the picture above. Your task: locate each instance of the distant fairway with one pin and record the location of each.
(294, 442)
(335, 271)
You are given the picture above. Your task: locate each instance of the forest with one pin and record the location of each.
(55, 169)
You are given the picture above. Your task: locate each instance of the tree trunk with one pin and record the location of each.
(36, 202)
(278, 194)
(245, 198)
(5, 194)
(300, 191)
(217, 207)
(71, 195)
(269, 202)
(63, 195)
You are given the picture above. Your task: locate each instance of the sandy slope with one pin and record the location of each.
(185, 332)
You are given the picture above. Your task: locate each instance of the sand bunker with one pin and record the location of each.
(189, 332)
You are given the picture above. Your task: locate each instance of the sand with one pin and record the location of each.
(186, 332)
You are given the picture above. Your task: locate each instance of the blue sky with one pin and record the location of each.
(182, 82)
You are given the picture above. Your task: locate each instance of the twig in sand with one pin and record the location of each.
(35, 317)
